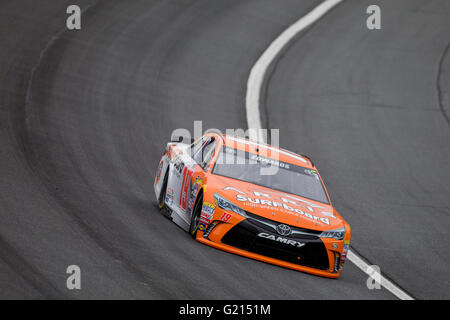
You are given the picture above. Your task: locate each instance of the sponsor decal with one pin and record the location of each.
(207, 212)
(169, 196)
(208, 208)
(190, 205)
(312, 173)
(344, 253)
(261, 194)
(206, 221)
(201, 226)
(194, 190)
(270, 161)
(198, 181)
(193, 194)
(178, 165)
(286, 204)
(256, 158)
(293, 198)
(185, 187)
(281, 239)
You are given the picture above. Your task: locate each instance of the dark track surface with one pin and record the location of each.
(365, 105)
(85, 116)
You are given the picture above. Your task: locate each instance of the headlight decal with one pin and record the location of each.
(225, 204)
(337, 234)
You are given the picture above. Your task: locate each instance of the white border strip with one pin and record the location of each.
(254, 85)
(258, 71)
(399, 293)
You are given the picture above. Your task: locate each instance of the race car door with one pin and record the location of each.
(183, 168)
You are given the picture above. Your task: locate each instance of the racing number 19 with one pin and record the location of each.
(187, 176)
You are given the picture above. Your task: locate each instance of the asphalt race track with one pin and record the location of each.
(85, 115)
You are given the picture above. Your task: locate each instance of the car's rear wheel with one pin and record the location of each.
(195, 218)
(162, 193)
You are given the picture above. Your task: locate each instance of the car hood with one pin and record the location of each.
(277, 205)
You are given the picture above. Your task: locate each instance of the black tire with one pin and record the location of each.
(162, 194)
(195, 218)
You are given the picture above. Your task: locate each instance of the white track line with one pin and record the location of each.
(364, 266)
(254, 85)
(258, 71)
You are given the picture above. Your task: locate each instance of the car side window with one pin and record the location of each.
(196, 146)
(203, 150)
(208, 152)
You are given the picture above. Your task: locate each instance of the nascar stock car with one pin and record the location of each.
(215, 189)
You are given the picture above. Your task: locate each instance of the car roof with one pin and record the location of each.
(266, 150)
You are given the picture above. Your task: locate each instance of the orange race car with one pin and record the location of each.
(254, 200)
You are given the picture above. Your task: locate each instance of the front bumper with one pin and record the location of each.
(255, 238)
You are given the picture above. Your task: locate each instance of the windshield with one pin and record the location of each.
(245, 166)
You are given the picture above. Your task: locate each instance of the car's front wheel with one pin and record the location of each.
(195, 218)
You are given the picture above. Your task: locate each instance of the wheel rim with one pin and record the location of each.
(197, 213)
(196, 221)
